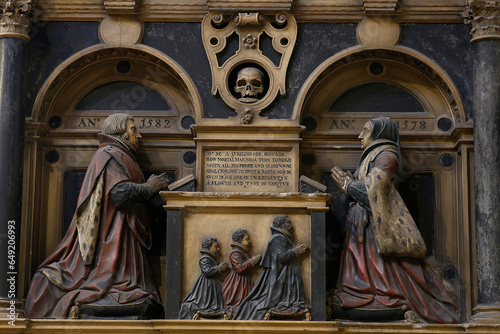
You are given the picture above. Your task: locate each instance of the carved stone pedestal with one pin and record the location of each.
(191, 216)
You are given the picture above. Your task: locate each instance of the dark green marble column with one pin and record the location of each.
(12, 54)
(13, 38)
(484, 19)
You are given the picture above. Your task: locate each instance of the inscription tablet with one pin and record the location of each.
(248, 171)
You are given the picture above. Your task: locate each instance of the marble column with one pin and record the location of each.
(14, 30)
(484, 20)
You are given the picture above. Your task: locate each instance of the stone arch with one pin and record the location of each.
(95, 66)
(405, 68)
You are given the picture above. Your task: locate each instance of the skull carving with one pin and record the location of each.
(249, 84)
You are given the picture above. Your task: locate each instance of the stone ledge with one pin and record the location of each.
(233, 327)
(240, 200)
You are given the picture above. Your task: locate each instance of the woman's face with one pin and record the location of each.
(366, 135)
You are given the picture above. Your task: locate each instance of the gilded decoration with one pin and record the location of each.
(483, 17)
(15, 19)
(250, 79)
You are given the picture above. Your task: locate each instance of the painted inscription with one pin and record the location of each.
(409, 125)
(149, 123)
(89, 123)
(142, 123)
(242, 171)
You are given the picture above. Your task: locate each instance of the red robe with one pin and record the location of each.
(369, 280)
(119, 266)
(239, 282)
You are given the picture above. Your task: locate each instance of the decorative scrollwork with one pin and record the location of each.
(246, 116)
(251, 29)
(281, 19)
(217, 19)
(248, 19)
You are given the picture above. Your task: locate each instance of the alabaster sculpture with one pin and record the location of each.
(279, 292)
(238, 283)
(205, 299)
(100, 268)
(384, 274)
(249, 84)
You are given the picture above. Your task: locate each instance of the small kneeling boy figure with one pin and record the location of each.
(205, 297)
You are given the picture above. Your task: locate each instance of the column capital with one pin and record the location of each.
(483, 17)
(15, 18)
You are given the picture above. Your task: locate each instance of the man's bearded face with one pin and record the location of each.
(288, 227)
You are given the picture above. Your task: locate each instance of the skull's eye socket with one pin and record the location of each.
(241, 82)
(255, 83)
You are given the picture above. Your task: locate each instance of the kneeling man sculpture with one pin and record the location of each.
(100, 269)
(279, 291)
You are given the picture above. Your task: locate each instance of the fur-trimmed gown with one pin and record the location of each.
(370, 281)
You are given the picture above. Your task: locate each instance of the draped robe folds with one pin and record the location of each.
(371, 281)
(280, 286)
(206, 293)
(239, 282)
(119, 267)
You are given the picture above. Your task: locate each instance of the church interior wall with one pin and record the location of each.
(449, 188)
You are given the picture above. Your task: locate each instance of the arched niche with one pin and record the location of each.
(362, 83)
(61, 135)
(99, 66)
(400, 70)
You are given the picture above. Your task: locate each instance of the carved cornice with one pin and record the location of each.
(483, 17)
(15, 18)
(426, 11)
(225, 6)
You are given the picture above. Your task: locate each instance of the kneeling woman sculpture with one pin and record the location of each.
(384, 275)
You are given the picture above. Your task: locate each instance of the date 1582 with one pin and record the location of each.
(149, 123)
